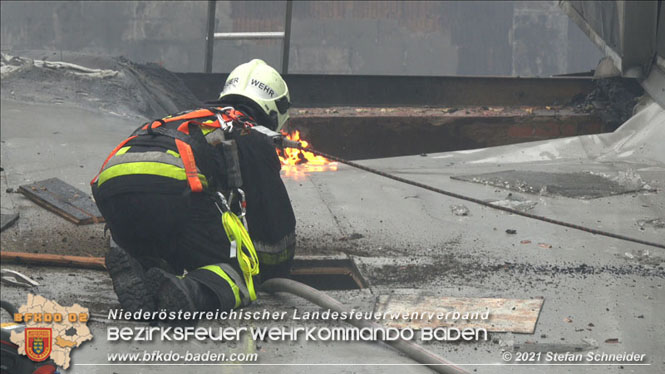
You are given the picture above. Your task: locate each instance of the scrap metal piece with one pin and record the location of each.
(505, 315)
(581, 185)
(64, 200)
(17, 279)
(7, 220)
(459, 210)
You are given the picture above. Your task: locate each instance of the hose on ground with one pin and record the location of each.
(412, 350)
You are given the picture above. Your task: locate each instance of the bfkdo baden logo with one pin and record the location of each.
(39, 341)
(51, 331)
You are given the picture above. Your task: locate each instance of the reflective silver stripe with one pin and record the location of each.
(287, 242)
(238, 280)
(150, 156)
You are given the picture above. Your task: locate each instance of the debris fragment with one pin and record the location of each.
(553, 347)
(656, 223)
(17, 279)
(612, 340)
(6, 220)
(511, 231)
(459, 210)
(354, 236)
(590, 341)
(568, 319)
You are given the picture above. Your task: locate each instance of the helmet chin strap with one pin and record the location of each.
(273, 120)
(249, 108)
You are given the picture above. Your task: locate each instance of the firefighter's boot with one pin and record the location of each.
(129, 280)
(204, 289)
(175, 293)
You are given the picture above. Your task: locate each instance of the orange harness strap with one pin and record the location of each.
(188, 160)
(187, 156)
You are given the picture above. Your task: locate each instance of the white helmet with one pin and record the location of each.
(261, 84)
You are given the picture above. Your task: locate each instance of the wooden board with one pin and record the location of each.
(51, 260)
(505, 315)
(64, 200)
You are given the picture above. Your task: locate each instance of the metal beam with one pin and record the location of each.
(210, 40)
(316, 90)
(248, 35)
(286, 42)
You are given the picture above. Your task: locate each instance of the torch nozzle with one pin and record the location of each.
(277, 138)
(288, 143)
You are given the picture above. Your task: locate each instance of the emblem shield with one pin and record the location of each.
(38, 343)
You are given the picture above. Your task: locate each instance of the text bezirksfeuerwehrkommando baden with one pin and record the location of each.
(285, 333)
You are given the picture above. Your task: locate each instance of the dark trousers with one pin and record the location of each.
(183, 231)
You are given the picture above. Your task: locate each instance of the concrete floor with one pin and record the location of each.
(404, 240)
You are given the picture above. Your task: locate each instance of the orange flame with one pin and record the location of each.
(297, 163)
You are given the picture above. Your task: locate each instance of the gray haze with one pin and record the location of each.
(377, 37)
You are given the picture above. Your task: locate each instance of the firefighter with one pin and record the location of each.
(173, 196)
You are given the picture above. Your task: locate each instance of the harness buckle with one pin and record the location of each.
(242, 203)
(243, 208)
(224, 125)
(225, 205)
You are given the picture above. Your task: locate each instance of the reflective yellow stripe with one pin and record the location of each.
(217, 270)
(276, 258)
(151, 168)
(207, 129)
(124, 150)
